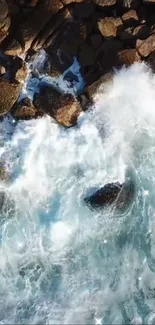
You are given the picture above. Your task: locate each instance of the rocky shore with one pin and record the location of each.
(101, 34)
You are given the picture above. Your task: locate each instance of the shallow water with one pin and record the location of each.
(60, 262)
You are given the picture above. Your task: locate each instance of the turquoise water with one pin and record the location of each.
(60, 262)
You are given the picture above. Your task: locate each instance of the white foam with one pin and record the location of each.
(59, 261)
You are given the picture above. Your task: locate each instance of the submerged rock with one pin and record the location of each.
(120, 195)
(63, 107)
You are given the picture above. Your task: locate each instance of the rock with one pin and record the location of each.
(53, 31)
(72, 38)
(104, 196)
(64, 108)
(66, 2)
(3, 10)
(13, 48)
(141, 32)
(110, 26)
(57, 62)
(4, 175)
(151, 61)
(147, 46)
(71, 77)
(128, 57)
(18, 69)
(9, 93)
(105, 3)
(131, 3)
(87, 55)
(96, 40)
(2, 70)
(120, 195)
(102, 83)
(2, 36)
(84, 10)
(149, 1)
(107, 58)
(130, 18)
(24, 110)
(131, 34)
(28, 29)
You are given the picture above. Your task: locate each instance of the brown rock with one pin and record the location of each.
(151, 61)
(3, 10)
(64, 108)
(130, 18)
(2, 70)
(55, 5)
(58, 62)
(66, 2)
(2, 36)
(52, 31)
(105, 3)
(24, 110)
(29, 29)
(145, 47)
(6, 24)
(110, 26)
(94, 88)
(9, 93)
(128, 57)
(13, 48)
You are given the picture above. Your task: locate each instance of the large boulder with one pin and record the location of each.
(9, 93)
(64, 108)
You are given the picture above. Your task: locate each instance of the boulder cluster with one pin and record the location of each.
(102, 34)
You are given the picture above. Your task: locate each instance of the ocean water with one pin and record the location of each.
(60, 262)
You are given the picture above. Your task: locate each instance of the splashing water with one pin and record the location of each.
(60, 262)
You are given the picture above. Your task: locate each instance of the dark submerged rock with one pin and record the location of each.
(119, 195)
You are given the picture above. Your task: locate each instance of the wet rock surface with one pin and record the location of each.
(9, 93)
(25, 110)
(64, 108)
(119, 195)
(101, 34)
